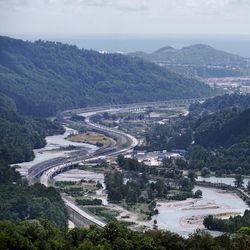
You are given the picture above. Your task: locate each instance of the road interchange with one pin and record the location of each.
(45, 171)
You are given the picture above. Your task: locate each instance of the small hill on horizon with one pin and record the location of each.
(46, 77)
(165, 49)
(198, 60)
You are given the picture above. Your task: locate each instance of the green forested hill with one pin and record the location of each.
(44, 77)
(216, 135)
(18, 201)
(20, 135)
(221, 102)
(223, 128)
(198, 60)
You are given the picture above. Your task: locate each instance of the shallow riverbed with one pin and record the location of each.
(52, 150)
(184, 217)
(78, 174)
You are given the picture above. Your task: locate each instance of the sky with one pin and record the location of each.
(138, 17)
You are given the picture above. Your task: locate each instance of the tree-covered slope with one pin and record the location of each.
(221, 102)
(202, 54)
(18, 201)
(198, 60)
(223, 128)
(216, 135)
(44, 77)
(20, 135)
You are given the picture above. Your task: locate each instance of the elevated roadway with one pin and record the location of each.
(45, 171)
(139, 105)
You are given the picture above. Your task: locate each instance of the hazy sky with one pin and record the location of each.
(225, 17)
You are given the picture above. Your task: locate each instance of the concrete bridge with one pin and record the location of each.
(170, 103)
(47, 170)
(81, 218)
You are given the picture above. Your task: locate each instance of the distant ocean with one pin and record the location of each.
(234, 44)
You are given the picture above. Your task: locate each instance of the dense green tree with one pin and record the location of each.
(18, 201)
(114, 185)
(223, 128)
(233, 224)
(46, 77)
(205, 172)
(42, 235)
(20, 135)
(238, 180)
(198, 193)
(186, 184)
(218, 103)
(192, 175)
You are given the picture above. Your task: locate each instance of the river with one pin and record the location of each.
(182, 217)
(52, 150)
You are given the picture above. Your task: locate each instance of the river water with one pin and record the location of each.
(51, 150)
(182, 217)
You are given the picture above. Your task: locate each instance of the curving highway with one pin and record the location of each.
(125, 143)
(50, 168)
(47, 170)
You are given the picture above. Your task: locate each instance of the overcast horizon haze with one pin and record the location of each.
(107, 24)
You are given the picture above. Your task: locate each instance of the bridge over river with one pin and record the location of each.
(47, 170)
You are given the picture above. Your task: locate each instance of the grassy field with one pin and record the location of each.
(76, 189)
(91, 138)
(105, 214)
(142, 209)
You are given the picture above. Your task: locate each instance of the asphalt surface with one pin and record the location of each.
(47, 170)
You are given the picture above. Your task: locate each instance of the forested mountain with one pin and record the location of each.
(223, 128)
(198, 60)
(216, 135)
(44, 77)
(223, 131)
(220, 121)
(20, 135)
(220, 103)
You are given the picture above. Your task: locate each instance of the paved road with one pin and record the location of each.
(132, 106)
(53, 167)
(59, 166)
